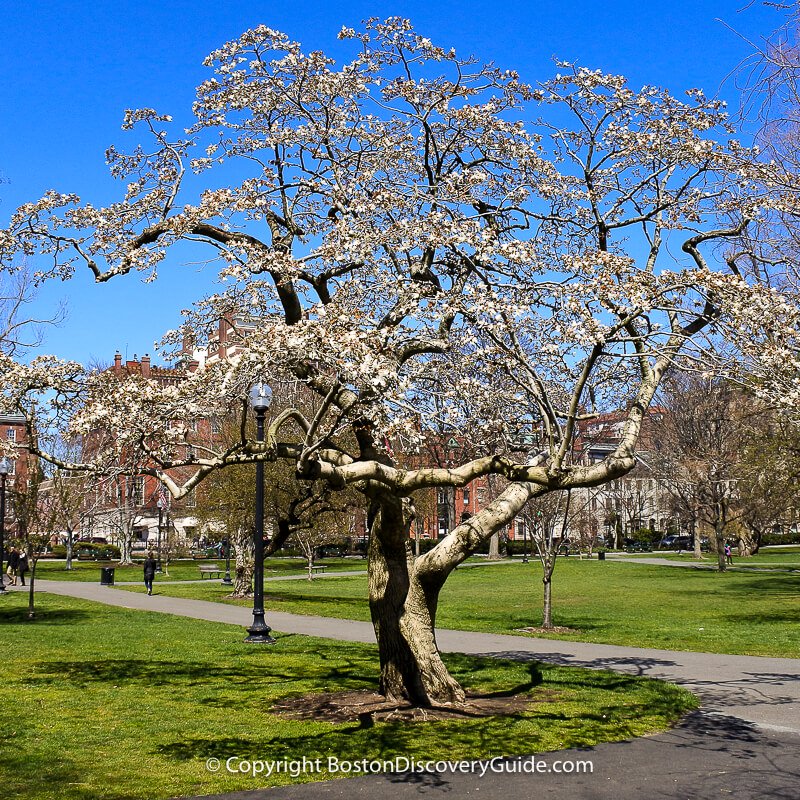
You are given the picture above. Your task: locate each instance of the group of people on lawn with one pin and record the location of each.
(17, 566)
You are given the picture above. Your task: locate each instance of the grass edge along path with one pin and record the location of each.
(616, 603)
(104, 702)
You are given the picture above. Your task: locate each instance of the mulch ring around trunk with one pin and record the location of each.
(368, 707)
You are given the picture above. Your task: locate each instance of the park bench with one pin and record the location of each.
(211, 570)
(319, 568)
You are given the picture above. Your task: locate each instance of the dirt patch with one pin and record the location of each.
(554, 629)
(370, 707)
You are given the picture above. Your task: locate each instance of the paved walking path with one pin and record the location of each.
(762, 691)
(708, 565)
(744, 743)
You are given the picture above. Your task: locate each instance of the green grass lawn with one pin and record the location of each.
(102, 702)
(183, 570)
(604, 601)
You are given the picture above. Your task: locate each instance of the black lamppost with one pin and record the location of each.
(4, 470)
(160, 505)
(227, 545)
(260, 399)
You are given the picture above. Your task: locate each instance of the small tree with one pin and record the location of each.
(703, 432)
(546, 519)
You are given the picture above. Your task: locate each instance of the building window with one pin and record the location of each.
(191, 499)
(137, 493)
(466, 496)
(11, 435)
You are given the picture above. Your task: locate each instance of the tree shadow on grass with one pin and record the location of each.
(630, 664)
(381, 741)
(44, 616)
(773, 584)
(150, 672)
(317, 599)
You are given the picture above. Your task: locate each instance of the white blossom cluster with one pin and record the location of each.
(426, 242)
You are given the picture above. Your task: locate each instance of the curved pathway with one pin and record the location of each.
(744, 743)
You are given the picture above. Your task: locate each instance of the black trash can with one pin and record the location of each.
(601, 556)
(106, 576)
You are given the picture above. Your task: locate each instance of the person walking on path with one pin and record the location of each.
(149, 572)
(13, 565)
(728, 556)
(22, 567)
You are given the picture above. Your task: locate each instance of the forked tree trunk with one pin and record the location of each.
(746, 544)
(404, 612)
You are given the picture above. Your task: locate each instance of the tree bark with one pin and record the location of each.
(68, 565)
(404, 592)
(243, 579)
(404, 616)
(719, 541)
(547, 604)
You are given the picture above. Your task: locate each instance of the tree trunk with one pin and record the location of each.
(746, 544)
(403, 614)
(494, 547)
(696, 537)
(126, 548)
(31, 596)
(68, 565)
(719, 541)
(310, 562)
(404, 592)
(243, 573)
(547, 604)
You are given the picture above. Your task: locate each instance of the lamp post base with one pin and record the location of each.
(226, 581)
(260, 633)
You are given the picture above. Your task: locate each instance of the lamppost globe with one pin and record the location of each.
(260, 396)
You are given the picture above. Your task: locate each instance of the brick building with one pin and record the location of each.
(13, 432)
(133, 504)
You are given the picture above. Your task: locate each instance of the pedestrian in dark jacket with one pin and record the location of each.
(149, 572)
(13, 565)
(22, 567)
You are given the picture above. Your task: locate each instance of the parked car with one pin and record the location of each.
(676, 542)
(638, 546)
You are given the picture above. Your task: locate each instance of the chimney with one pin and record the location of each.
(117, 363)
(145, 366)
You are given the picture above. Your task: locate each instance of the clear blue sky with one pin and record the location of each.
(69, 69)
